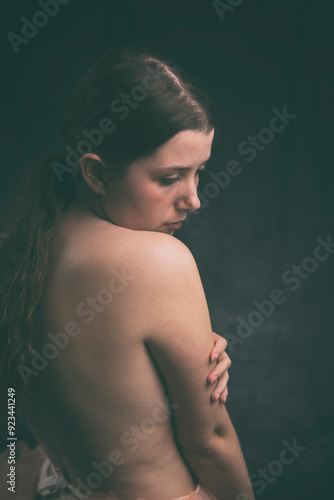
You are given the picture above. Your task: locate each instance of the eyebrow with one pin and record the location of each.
(175, 167)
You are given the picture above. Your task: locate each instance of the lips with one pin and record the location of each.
(177, 222)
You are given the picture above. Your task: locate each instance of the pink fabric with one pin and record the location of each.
(199, 493)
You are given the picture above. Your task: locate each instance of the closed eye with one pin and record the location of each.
(170, 180)
(167, 181)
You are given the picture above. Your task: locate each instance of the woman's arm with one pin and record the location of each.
(221, 468)
(178, 333)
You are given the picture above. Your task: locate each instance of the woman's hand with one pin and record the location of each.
(220, 370)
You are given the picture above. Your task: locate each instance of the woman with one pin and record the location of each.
(117, 336)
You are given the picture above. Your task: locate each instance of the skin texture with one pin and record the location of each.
(73, 400)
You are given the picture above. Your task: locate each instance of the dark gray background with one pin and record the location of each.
(263, 55)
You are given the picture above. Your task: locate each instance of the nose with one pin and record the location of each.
(188, 199)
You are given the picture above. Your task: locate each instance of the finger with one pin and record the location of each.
(222, 365)
(219, 347)
(222, 384)
(223, 397)
(220, 387)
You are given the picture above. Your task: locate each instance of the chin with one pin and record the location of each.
(165, 231)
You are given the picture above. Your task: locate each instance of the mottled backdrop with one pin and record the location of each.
(263, 239)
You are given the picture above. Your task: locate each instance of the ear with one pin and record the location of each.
(93, 172)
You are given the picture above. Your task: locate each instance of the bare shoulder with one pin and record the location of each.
(155, 260)
(160, 255)
(160, 266)
(149, 255)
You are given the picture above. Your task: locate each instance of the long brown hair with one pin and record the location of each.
(165, 101)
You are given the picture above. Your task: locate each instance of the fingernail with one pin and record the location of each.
(213, 379)
(216, 397)
(215, 356)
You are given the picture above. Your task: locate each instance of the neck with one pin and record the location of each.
(90, 205)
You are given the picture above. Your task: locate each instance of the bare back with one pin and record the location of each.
(100, 408)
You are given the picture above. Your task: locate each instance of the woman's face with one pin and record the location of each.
(161, 188)
(157, 190)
